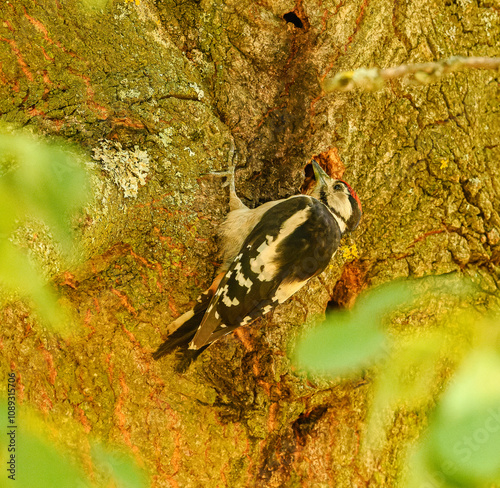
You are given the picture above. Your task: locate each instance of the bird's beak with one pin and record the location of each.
(319, 175)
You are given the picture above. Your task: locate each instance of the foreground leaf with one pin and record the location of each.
(41, 182)
(349, 341)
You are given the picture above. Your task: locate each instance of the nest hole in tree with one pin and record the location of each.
(306, 422)
(309, 180)
(333, 305)
(294, 19)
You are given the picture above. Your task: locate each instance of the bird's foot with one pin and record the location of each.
(232, 158)
(229, 174)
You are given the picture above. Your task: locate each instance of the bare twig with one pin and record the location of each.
(375, 78)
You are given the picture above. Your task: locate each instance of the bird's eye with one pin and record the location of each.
(338, 187)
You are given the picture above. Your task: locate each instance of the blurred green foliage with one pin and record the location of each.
(41, 463)
(44, 181)
(118, 467)
(40, 181)
(461, 445)
(330, 349)
(463, 439)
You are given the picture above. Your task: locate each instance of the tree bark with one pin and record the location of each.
(155, 91)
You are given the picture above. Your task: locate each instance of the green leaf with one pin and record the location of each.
(121, 468)
(373, 305)
(40, 181)
(337, 349)
(18, 273)
(40, 465)
(405, 378)
(464, 436)
(347, 342)
(36, 461)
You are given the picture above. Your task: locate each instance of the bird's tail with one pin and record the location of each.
(179, 339)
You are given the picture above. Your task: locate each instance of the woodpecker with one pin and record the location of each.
(269, 253)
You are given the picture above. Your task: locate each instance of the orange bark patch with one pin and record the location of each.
(8, 25)
(101, 112)
(68, 280)
(331, 162)
(125, 301)
(50, 362)
(110, 369)
(273, 415)
(242, 335)
(358, 22)
(128, 122)
(45, 402)
(39, 26)
(45, 55)
(83, 419)
(20, 59)
(425, 236)
(121, 417)
(350, 285)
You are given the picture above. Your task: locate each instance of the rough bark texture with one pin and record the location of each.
(171, 82)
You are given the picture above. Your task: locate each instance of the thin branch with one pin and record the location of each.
(375, 78)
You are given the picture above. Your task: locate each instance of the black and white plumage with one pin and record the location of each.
(270, 252)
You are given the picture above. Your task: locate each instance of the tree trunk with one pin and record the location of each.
(157, 90)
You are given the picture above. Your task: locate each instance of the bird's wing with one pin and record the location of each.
(294, 241)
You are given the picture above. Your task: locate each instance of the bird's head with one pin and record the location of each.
(337, 195)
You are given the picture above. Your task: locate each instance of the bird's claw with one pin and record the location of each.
(234, 201)
(222, 174)
(229, 173)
